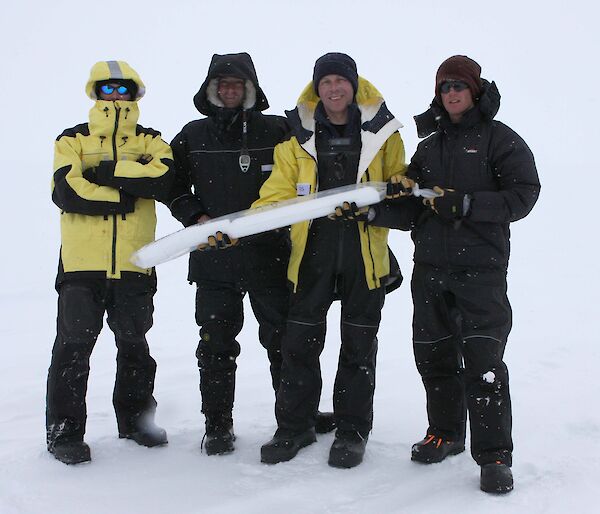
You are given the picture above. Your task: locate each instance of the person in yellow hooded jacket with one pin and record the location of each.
(108, 173)
(343, 134)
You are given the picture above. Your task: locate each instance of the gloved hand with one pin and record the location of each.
(449, 204)
(219, 241)
(399, 186)
(100, 174)
(350, 212)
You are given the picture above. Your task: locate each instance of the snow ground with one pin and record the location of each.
(543, 60)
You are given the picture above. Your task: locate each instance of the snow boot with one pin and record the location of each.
(435, 449)
(496, 477)
(347, 450)
(73, 452)
(146, 434)
(219, 436)
(285, 445)
(325, 422)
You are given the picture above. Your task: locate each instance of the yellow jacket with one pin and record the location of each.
(104, 219)
(295, 162)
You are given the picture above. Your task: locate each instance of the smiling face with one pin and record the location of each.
(231, 91)
(457, 103)
(337, 94)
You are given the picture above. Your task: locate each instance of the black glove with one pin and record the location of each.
(350, 212)
(219, 241)
(449, 204)
(399, 186)
(100, 174)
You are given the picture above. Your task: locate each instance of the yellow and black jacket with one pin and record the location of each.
(109, 213)
(295, 162)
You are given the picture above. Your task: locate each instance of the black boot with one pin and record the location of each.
(435, 449)
(74, 452)
(146, 433)
(219, 436)
(285, 445)
(325, 422)
(496, 477)
(347, 450)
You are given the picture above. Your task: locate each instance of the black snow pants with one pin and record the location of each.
(460, 326)
(220, 316)
(81, 307)
(332, 267)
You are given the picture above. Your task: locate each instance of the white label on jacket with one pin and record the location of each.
(302, 189)
(266, 167)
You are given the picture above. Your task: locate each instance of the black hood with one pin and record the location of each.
(232, 65)
(486, 108)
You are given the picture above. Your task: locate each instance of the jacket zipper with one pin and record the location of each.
(114, 235)
(452, 144)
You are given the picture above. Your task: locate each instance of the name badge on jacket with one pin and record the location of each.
(302, 189)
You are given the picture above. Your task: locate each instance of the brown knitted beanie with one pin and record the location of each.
(459, 67)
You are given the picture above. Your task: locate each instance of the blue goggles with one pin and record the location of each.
(108, 90)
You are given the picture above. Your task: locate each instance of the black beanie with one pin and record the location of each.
(335, 63)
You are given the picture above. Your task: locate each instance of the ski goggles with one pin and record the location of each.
(108, 89)
(457, 85)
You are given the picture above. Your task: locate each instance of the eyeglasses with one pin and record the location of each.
(108, 90)
(457, 85)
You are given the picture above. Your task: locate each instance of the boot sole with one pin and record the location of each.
(415, 457)
(144, 442)
(277, 455)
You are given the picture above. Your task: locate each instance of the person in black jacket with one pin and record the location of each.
(221, 163)
(484, 177)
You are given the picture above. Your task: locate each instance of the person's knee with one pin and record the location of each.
(440, 359)
(217, 349)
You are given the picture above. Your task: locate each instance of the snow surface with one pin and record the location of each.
(544, 60)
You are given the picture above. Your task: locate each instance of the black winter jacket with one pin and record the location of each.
(209, 179)
(478, 156)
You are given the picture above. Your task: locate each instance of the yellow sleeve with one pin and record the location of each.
(394, 158)
(281, 185)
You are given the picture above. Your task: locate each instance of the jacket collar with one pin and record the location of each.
(377, 122)
(436, 116)
(103, 118)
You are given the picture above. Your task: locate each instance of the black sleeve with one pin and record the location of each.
(514, 167)
(183, 204)
(401, 213)
(67, 199)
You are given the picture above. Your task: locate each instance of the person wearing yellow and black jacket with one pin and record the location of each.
(343, 134)
(108, 173)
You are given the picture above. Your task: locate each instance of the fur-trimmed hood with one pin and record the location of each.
(117, 70)
(377, 122)
(238, 65)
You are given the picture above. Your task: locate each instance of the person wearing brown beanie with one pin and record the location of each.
(485, 177)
